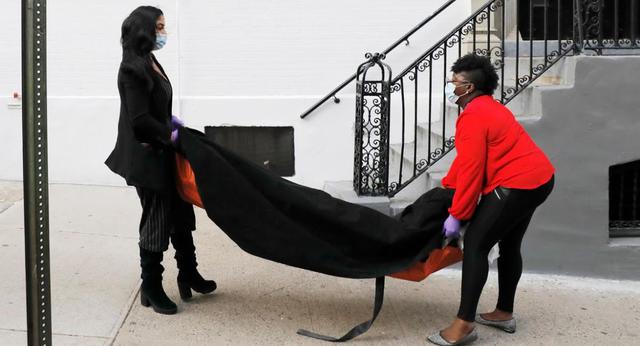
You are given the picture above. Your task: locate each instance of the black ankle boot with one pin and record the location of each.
(151, 293)
(192, 280)
(188, 276)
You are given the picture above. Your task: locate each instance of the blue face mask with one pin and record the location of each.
(161, 40)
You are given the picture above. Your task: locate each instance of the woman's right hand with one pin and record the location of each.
(451, 228)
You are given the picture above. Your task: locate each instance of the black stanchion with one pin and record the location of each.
(36, 192)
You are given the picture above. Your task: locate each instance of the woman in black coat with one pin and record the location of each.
(144, 156)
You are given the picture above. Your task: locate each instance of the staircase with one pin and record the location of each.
(415, 125)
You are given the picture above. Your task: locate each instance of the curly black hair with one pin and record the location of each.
(479, 71)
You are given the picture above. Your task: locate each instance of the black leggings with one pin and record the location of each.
(502, 216)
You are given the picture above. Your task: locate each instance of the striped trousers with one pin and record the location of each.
(162, 216)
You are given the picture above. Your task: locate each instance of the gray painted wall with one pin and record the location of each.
(586, 128)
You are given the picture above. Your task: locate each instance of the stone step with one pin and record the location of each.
(562, 72)
(407, 167)
(523, 48)
(344, 191)
(450, 114)
(407, 161)
(435, 133)
(395, 162)
(527, 106)
(412, 191)
(427, 181)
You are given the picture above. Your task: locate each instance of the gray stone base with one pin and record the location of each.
(344, 191)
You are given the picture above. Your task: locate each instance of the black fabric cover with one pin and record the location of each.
(273, 218)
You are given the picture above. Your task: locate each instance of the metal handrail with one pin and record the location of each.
(441, 42)
(404, 38)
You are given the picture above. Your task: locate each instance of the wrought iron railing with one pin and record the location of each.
(610, 25)
(404, 39)
(523, 38)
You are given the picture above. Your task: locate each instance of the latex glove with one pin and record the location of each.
(451, 228)
(174, 136)
(176, 122)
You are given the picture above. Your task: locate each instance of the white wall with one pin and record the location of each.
(235, 62)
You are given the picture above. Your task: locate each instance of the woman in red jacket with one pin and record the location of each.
(498, 163)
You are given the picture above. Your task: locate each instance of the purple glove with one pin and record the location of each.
(451, 228)
(176, 122)
(174, 136)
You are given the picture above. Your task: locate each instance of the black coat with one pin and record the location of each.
(143, 154)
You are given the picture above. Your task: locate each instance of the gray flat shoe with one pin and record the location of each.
(439, 340)
(508, 326)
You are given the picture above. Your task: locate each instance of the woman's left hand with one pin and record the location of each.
(176, 122)
(174, 137)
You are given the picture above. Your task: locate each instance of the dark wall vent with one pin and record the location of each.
(624, 200)
(271, 147)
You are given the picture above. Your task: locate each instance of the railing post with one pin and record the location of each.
(371, 156)
(578, 27)
(36, 192)
(591, 27)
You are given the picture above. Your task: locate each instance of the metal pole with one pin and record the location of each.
(34, 157)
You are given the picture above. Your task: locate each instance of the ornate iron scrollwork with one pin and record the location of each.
(371, 157)
(590, 27)
(625, 224)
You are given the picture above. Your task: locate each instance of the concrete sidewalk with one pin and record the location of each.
(95, 280)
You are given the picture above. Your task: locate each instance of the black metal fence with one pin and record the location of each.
(610, 25)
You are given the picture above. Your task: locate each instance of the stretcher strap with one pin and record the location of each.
(362, 327)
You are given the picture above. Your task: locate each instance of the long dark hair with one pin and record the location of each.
(138, 40)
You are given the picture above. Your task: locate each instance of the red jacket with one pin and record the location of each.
(493, 150)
